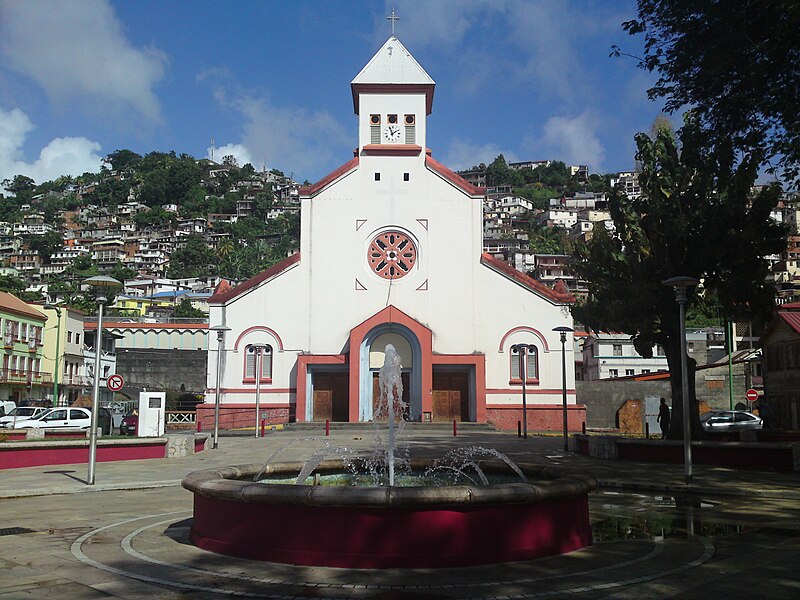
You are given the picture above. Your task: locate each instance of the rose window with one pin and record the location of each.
(392, 255)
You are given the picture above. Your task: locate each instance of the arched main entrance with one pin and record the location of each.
(371, 357)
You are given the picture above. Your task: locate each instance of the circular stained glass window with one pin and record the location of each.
(392, 255)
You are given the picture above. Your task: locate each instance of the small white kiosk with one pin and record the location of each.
(152, 417)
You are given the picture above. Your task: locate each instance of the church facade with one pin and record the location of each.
(391, 252)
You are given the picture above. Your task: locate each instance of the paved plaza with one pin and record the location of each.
(737, 536)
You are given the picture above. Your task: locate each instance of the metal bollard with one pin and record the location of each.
(455, 428)
(646, 430)
(327, 427)
(583, 427)
(519, 429)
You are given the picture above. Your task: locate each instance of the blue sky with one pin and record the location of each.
(270, 81)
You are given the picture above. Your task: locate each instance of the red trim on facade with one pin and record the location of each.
(394, 88)
(523, 279)
(303, 362)
(273, 271)
(392, 149)
(259, 328)
(390, 314)
(541, 417)
(526, 329)
(458, 181)
(312, 190)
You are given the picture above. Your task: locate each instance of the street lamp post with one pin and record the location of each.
(58, 351)
(563, 330)
(259, 350)
(522, 350)
(220, 329)
(679, 284)
(103, 284)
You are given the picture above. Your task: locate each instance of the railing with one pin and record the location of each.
(181, 419)
(79, 380)
(111, 318)
(7, 376)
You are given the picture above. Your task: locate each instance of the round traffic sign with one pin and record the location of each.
(751, 395)
(115, 383)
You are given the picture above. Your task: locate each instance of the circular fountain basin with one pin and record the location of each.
(389, 527)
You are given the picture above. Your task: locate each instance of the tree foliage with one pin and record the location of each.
(194, 259)
(696, 218)
(736, 64)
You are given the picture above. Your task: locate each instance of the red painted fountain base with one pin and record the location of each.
(379, 528)
(400, 538)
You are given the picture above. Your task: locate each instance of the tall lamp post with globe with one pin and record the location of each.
(104, 285)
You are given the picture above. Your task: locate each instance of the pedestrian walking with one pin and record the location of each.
(663, 418)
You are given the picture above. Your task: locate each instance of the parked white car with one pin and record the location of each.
(21, 413)
(59, 418)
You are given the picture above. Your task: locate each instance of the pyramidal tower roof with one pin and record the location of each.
(392, 68)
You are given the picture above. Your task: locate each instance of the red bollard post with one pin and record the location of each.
(199, 426)
(455, 428)
(327, 427)
(263, 426)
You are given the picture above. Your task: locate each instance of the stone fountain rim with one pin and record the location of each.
(230, 483)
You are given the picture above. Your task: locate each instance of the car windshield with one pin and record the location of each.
(21, 411)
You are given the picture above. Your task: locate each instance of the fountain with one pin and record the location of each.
(537, 511)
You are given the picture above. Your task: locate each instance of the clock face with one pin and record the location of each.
(392, 255)
(392, 133)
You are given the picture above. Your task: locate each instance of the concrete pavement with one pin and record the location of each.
(126, 536)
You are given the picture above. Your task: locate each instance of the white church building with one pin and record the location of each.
(391, 252)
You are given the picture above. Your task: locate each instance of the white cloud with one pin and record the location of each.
(573, 139)
(464, 154)
(62, 156)
(291, 139)
(236, 150)
(78, 52)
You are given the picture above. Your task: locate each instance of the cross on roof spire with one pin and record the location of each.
(393, 18)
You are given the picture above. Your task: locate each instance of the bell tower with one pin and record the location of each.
(392, 96)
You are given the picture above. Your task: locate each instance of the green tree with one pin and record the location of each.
(154, 218)
(696, 218)
(185, 310)
(194, 259)
(46, 244)
(21, 186)
(122, 159)
(12, 285)
(735, 64)
(548, 240)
